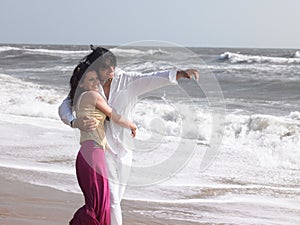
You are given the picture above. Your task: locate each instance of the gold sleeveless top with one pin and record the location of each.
(97, 135)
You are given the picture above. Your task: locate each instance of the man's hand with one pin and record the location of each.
(133, 130)
(187, 74)
(85, 123)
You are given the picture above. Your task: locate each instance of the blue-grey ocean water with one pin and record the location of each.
(255, 175)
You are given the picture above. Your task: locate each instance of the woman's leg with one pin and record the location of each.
(92, 178)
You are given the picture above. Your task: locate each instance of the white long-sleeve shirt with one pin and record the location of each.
(124, 90)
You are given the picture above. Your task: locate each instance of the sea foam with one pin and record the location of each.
(246, 58)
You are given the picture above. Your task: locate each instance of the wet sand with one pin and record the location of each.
(27, 204)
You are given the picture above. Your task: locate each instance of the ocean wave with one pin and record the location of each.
(297, 54)
(117, 51)
(229, 198)
(274, 139)
(279, 126)
(42, 69)
(30, 53)
(172, 119)
(8, 48)
(43, 51)
(23, 98)
(34, 166)
(134, 52)
(57, 52)
(237, 58)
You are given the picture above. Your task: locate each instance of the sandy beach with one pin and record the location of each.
(253, 179)
(26, 204)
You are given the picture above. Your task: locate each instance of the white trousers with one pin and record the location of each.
(118, 173)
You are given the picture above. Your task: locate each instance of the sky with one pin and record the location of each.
(193, 23)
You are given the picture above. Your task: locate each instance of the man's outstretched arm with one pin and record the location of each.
(142, 83)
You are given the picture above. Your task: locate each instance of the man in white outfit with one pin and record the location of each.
(121, 90)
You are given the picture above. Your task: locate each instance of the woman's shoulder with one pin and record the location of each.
(91, 94)
(90, 97)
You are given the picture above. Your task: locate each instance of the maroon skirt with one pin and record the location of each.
(91, 173)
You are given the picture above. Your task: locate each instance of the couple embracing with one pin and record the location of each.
(103, 162)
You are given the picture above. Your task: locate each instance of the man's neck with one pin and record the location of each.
(106, 88)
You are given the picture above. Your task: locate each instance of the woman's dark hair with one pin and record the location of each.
(92, 62)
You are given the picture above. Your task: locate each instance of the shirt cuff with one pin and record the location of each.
(172, 76)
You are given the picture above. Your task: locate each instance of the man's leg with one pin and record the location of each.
(124, 166)
(118, 170)
(115, 201)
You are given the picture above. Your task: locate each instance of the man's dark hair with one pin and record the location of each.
(91, 62)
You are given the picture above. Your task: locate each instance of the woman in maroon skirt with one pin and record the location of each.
(91, 168)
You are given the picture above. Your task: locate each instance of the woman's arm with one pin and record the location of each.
(101, 104)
